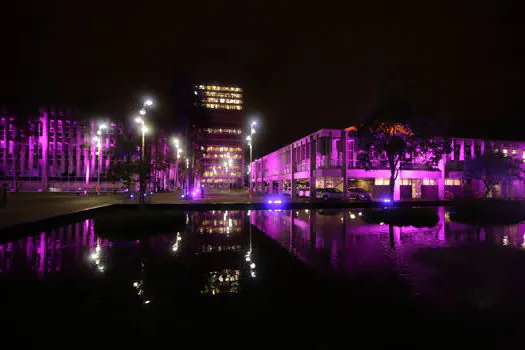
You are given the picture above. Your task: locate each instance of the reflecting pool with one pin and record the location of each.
(294, 268)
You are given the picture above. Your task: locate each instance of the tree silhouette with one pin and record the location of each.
(492, 169)
(395, 136)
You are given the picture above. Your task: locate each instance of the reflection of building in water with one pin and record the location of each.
(220, 231)
(341, 238)
(217, 238)
(511, 235)
(219, 222)
(60, 250)
(209, 248)
(223, 281)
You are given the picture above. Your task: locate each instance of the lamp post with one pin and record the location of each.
(140, 120)
(249, 138)
(98, 140)
(144, 129)
(177, 156)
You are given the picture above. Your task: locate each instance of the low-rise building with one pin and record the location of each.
(329, 158)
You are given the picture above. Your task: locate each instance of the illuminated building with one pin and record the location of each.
(218, 135)
(329, 158)
(57, 150)
(219, 97)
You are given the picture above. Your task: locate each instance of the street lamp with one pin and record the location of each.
(249, 138)
(178, 152)
(98, 140)
(144, 129)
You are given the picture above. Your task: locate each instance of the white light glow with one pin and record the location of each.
(139, 120)
(148, 103)
(142, 112)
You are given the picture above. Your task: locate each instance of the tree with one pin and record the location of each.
(22, 128)
(492, 169)
(20, 124)
(124, 171)
(395, 137)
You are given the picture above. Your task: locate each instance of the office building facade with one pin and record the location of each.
(329, 158)
(59, 150)
(218, 135)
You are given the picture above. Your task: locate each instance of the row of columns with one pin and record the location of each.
(289, 156)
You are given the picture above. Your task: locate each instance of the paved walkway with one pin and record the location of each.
(31, 206)
(27, 207)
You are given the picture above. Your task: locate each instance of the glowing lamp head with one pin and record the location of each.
(148, 103)
(139, 120)
(142, 112)
(248, 138)
(144, 129)
(254, 123)
(103, 126)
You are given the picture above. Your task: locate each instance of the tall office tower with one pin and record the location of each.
(217, 131)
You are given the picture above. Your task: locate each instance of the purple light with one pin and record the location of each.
(270, 202)
(278, 202)
(386, 200)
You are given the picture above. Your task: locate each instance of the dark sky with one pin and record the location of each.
(302, 68)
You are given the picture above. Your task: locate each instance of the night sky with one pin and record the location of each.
(302, 68)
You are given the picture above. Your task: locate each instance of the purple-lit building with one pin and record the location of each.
(59, 150)
(218, 135)
(329, 158)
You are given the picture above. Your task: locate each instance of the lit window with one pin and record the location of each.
(381, 182)
(452, 182)
(514, 151)
(429, 182)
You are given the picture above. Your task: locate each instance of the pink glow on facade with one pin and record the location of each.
(57, 150)
(329, 158)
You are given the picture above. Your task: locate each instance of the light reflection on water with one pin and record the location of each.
(218, 247)
(339, 238)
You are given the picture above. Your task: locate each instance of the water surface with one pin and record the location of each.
(245, 270)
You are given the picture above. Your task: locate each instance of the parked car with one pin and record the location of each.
(359, 194)
(329, 193)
